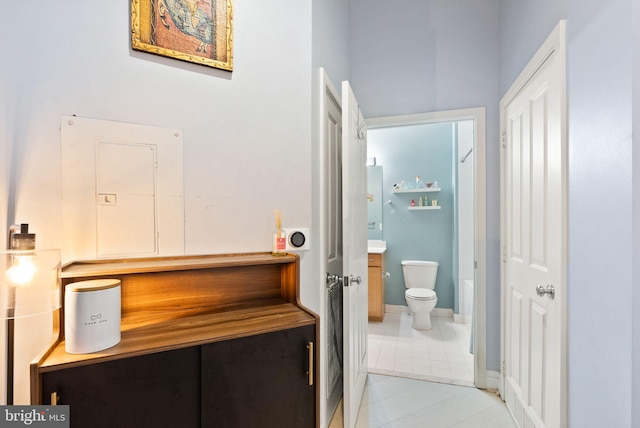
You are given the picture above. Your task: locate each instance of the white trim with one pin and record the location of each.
(478, 115)
(420, 118)
(442, 313)
(493, 381)
(501, 380)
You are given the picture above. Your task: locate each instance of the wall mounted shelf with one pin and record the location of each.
(437, 207)
(420, 190)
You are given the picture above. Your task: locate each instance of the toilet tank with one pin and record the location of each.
(420, 273)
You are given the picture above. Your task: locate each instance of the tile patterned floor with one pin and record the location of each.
(424, 379)
(440, 354)
(396, 402)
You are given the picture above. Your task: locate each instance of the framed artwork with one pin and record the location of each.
(198, 31)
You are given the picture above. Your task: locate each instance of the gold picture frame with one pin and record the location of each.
(198, 31)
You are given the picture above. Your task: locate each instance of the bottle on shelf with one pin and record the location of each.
(279, 238)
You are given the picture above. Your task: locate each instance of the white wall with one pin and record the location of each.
(635, 324)
(600, 241)
(243, 130)
(247, 134)
(331, 24)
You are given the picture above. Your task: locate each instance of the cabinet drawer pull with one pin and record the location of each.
(310, 348)
(54, 398)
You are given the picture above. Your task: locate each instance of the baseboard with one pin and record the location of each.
(442, 312)
(462, 319)
(402, 309)
(396, 309)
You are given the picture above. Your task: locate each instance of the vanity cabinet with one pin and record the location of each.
(376, 287)
(206, 341)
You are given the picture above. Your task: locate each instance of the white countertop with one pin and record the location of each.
(377, 246)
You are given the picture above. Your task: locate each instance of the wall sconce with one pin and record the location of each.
(29, 285)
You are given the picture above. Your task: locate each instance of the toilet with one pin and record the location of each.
(420, 281)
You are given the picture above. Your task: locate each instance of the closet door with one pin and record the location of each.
(156, 390)
(259, 381)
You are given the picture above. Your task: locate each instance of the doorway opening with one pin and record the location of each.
(449, 227)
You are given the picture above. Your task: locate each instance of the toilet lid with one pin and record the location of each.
(421, 293)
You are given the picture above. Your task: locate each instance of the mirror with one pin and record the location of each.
(374, 195)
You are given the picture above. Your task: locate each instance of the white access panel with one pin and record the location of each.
(126, 200)
(122, 189)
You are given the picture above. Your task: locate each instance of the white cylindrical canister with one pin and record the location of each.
(91, 315)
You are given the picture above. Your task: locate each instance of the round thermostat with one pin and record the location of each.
(297, 239)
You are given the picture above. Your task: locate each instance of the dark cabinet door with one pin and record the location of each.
(156, 390)
(259, 381)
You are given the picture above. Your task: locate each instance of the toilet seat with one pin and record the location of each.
(420, 294)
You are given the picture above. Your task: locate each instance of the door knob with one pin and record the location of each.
(549, 290)
(357, 279)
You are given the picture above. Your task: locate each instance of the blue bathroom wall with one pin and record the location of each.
(405, 152)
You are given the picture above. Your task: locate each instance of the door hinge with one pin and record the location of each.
(503, 254)
(503, 140)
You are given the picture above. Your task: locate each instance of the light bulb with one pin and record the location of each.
(22, 271)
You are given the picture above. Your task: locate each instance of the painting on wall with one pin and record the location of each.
(198, 31)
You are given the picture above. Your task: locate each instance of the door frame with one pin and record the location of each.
(478, 115)
(555, 43)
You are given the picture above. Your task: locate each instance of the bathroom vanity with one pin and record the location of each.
(376, 281)
(206, 341)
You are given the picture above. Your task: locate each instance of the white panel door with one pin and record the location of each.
(126, 200)
(331, 244)
(534, 239)
(355, 257)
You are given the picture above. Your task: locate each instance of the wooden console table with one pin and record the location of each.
(216, 340)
